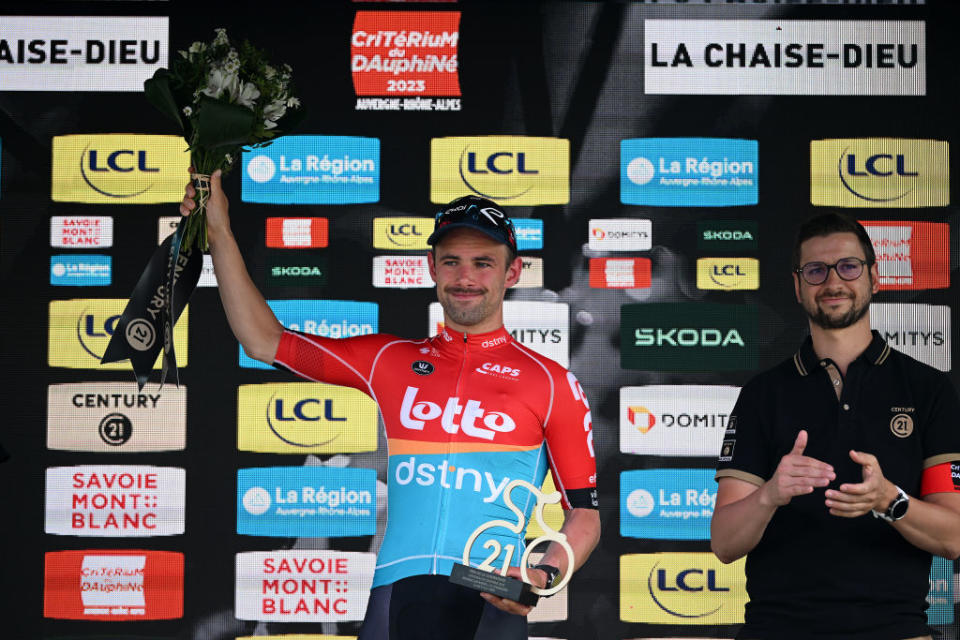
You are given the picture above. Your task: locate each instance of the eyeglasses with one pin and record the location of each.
(817, 272)
(488, 217)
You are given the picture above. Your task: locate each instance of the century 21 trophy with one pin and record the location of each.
(485, 576)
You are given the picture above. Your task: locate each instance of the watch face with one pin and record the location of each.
(899, 509)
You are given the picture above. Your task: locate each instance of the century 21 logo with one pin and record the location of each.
(513, 170)
(118, 168)
(79, 331)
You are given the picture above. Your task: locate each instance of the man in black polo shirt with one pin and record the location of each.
(845, 427)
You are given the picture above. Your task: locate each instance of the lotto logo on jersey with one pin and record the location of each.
(303, 586)
(116, 417)
(879, 172)
(297, 233)
(620, 273)
(619, 234)
(681, 588)
(118, 168)
(325, 318)
(728, 274)
(309, 502)
(921, 331)
(541, 326)
(81, 232)
(511, 170)
(911, 255)
(468, 416)
(115, 501)
(80, 329)
(667, 504)
(675, 420)
(109, 584)
(402, 233)
(305, 417)
(684, 172)
(313, 170)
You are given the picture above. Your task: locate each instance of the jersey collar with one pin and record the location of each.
(806, 360)
(474, 341)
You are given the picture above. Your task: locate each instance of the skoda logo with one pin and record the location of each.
(422, 368)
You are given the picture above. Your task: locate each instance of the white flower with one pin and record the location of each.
(275, 110)
(247, 94)
(218, 82)
(269, 72)
(293, 103)
(269, 124)
(197, 47)
(221, 36)
(183, 54)
(229, 159)
(188, 111)
(232, 65)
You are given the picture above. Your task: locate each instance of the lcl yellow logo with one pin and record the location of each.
(80, 329)
(118, 168)
(402, 233)
(727, 274)
(511, 170)
(681, 588)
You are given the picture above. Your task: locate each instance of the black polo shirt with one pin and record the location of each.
(817, 575)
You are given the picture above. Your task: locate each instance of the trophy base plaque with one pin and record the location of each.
(494, 584)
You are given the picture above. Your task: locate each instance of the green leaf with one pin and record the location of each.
(158, 93)
(222, 124)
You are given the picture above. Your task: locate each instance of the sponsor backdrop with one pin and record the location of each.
(656, 157)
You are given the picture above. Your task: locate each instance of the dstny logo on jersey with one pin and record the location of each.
(116, 417)
(297, 233)
(531, 274)
(689, 336)
(681, 588)
(727, 235)
(911, 255)
(326, 318)
(785, 57)
(940, 595)
(620, 273)
(728, 274)
(541, 326)
(81, 53)
(80, 329)
(88, 270)
(118, 168)
(675, 420)
(402, 233)
(303, 585)
(921, 331)
(529, 233)
(305, 417)
(82, 232)
(667, 504)
(115, 501)
(310, 502)
(113, 584)
(294, 271)
(401, 272)
(879, 172)
(618, 234)
(402, 53)
(313, 170)
(511, 170)
(688, 172)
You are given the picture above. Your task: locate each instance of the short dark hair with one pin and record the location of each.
(825, 224)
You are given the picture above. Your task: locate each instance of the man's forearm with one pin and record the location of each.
(737, 526)
(252, 321)
(582, 528)
(933, 524)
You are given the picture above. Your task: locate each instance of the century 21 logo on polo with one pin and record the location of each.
(512, 170)
(879, 172)
(80, 329)
(118, 168)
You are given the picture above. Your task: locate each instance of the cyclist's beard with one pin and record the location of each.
(469, 313)
(858, 308)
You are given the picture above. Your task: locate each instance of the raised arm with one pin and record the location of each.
(252, 321)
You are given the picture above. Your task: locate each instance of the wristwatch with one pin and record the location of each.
(551, 571)
(897, 508)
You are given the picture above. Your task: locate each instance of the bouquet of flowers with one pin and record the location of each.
(224, 98)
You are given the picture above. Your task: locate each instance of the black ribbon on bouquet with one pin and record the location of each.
(146, 324)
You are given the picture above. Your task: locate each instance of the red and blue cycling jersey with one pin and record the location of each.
(464, 415)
